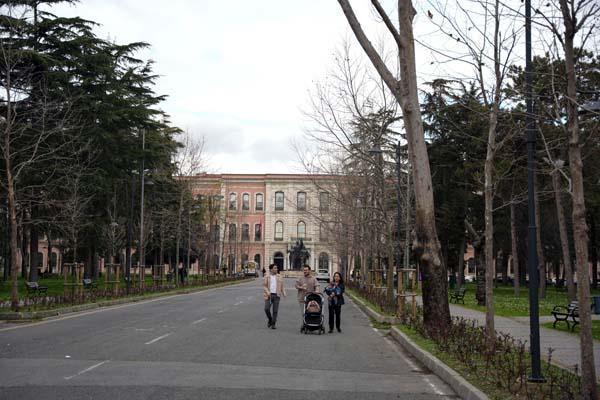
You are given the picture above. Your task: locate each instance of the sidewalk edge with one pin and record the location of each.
(459, 384)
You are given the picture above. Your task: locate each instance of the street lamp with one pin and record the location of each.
(532, 261)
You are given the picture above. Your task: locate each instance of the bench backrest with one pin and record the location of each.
(460, 291)
(87, 281)
(32, 285)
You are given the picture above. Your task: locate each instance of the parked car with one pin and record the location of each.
(323, 275)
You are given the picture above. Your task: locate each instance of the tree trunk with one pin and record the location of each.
(33, 253)
(588, 369)
(489, 225)
(514, 250)
(539, 247)
(436, 311)
(178, 239)
(564, 237)
(593, 251)
(460, 277)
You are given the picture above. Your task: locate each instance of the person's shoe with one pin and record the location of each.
(339, 330)
(273, 326)
(269, 324)
(331, 331)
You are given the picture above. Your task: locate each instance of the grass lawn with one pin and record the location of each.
(507, 305)
(563, 327)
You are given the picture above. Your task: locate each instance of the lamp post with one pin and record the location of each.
(532, 261)
(141, 258)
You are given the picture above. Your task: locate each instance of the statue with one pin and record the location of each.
(299, 255)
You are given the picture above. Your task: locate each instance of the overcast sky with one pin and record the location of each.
(237, 72)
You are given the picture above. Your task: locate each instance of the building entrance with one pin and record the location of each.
(278, 260)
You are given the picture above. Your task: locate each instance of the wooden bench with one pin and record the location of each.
(566, 313)
(458, 295)
(35, 289)
(89, 284)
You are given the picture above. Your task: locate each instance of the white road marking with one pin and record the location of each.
(109, 308)
(238, 303)
(220, 311)
(144, 329)
(158, 338)
(198, 321)
(435, 389)
(86, 370)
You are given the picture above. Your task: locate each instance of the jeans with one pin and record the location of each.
(335, 310)
(273, 301)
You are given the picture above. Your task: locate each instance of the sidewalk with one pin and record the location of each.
(565, 345)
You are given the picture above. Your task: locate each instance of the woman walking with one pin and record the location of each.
(335, 295)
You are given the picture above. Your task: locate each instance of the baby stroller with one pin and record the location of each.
(313, 313)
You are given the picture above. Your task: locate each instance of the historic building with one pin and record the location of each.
(271, 218)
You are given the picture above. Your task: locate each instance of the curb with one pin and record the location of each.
(27, 316)
(460, 385)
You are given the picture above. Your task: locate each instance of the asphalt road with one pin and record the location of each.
(207, 345)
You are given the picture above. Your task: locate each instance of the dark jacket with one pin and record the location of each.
(338, 294)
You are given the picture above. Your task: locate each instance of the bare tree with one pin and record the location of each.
(189, 161)
(435, 291)
(578, 17)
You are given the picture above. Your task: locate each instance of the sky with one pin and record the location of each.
(238, 72)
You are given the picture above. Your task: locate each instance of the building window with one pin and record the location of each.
(278, 230)
(324, 201)
(301, 230)
(257, 232)
(257, 261)
(301, 201)
(232, 201)
(278, 201)
(216, 233)
(323, 234)
(323, 262)
(231, 262)
(232, 232)
(244, 260)
(259, 202)
(245, 202)
(245, 232)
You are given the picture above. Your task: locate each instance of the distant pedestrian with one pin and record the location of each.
(335, 294)
(306, 284)
(273, 290)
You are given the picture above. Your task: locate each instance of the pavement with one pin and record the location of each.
(212, 344)
(565, 346)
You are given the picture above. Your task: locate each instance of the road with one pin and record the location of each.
(212, 344)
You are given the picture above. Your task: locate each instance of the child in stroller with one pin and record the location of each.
(313, 313)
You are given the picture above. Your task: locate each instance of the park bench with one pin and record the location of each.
(35, 288)
(458, 295)
(566, 313)
(89, 284)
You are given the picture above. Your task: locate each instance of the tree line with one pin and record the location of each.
(81, 125)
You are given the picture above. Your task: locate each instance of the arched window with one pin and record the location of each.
(232, 201)
(244, 259)
(245, 232)
(257, 259)
(245, 202)
(301, 230)
(259, 204)
(323, 262)
(231, 262)
(232, 232)
(301, 201)
(278, 230)
(279, 201)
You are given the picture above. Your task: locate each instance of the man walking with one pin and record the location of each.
(306, 284)
(273, 290)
